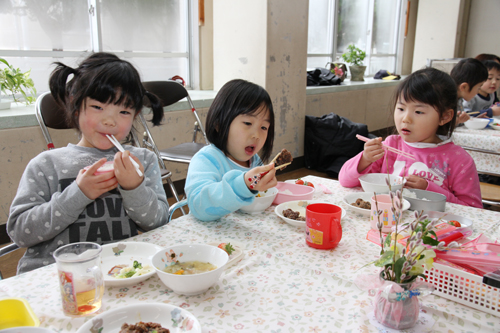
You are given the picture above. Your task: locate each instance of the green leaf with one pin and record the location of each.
(430, 241)
(397, 268)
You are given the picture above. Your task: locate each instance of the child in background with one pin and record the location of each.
(221, 177)
(58, 201)
(469, 75)
(425, 114)
(486, 99)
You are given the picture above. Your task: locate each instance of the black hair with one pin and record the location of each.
(491, 64)
(238, 97)
(432, 87)
(470, 71)
(105, 78)
(487, 56)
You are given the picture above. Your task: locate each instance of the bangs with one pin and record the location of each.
(117, 84)
(420, 90)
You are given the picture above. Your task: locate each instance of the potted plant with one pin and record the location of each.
(14, 82)
(355, 56)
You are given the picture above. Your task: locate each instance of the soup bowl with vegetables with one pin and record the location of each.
(190, 269)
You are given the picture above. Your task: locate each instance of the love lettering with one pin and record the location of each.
(426, 174)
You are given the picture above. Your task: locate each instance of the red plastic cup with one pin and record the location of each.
(323, 229)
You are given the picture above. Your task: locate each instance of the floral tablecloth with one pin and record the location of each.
(487, 138)
(280, 284)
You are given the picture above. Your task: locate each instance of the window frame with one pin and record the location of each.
(398, 37)
(192, 54)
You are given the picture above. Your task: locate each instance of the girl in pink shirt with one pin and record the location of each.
(425, 110)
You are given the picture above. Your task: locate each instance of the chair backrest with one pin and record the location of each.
(170, 92)
(50, 115)
(445, 65)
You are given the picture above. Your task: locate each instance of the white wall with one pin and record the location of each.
(483, 35)
(436, 33)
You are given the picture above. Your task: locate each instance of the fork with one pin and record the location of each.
(120, 148)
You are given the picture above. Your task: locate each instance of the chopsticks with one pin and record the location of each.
(394, 150)
(120, 148)
(472, 112)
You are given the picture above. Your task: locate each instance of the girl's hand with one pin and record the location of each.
(462, 117)
(372, 152)
(125, 172)
(265, 176)
(416, 182)
(93, 186)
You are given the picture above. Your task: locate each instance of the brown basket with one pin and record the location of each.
(331, 66)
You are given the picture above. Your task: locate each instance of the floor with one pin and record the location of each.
(8, 263)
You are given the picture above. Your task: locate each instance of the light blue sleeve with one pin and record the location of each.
(213, 187)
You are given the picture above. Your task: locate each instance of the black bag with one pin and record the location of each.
(330, 141)
(322, 77)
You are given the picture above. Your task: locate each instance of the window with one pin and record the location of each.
(154, 35)
(372, 25)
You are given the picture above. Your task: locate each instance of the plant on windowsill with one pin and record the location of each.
(355, 56)
(14, 82)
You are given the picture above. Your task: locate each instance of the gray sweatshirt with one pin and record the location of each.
(50, 210)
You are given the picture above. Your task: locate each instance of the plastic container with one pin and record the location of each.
(376, 182)
(426, 200)
(464, 288)
(16, 312)
(292, 192)
(477, 123)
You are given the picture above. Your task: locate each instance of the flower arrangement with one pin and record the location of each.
(403, 264)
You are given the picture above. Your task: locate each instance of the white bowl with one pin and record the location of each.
(495, 124)
(292, 192)
(477, 123)
(298, 206)
(350, 198)
(261, 203)
(169, 316)
(125, 253)
(376, 182)
(190, 284)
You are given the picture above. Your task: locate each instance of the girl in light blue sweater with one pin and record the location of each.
(221, 177)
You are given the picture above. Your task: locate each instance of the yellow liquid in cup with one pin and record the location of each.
(85, 301)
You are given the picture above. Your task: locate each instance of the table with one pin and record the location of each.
(280, 285)
(488, 139)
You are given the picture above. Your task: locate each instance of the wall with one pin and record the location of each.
(483, 29)
(206, 33)
(437, 30)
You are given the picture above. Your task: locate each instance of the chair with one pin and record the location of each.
(51, 115)
(490, 193)
(445, 65)
(169, 93)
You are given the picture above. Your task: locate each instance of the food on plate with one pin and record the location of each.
(287, 191)
(303, 182)
(189, 267)
(362, 204)
(454, 223)
(142, 327)
(283, 157)
(130, 271)
(293, 215)
(261, 194)
(226, 247)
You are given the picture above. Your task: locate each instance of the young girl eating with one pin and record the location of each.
(59, 200)
(425, 108)
(227, 174)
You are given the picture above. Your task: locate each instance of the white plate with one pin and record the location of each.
(292, 181)
(298, 206)
(166, 315)
(464, 222)
(236, 255)
(350, 198)
(26, 329)
(124, 253)
(497, 127)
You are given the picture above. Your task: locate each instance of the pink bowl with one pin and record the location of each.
(298, 192)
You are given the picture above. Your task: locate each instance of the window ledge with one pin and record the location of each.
(20, 115)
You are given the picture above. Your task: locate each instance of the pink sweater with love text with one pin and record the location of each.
(448, 169)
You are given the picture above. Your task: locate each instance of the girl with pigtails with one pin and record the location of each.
(66, 195)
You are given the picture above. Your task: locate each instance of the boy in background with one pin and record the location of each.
(469, 74)
(486, 99)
